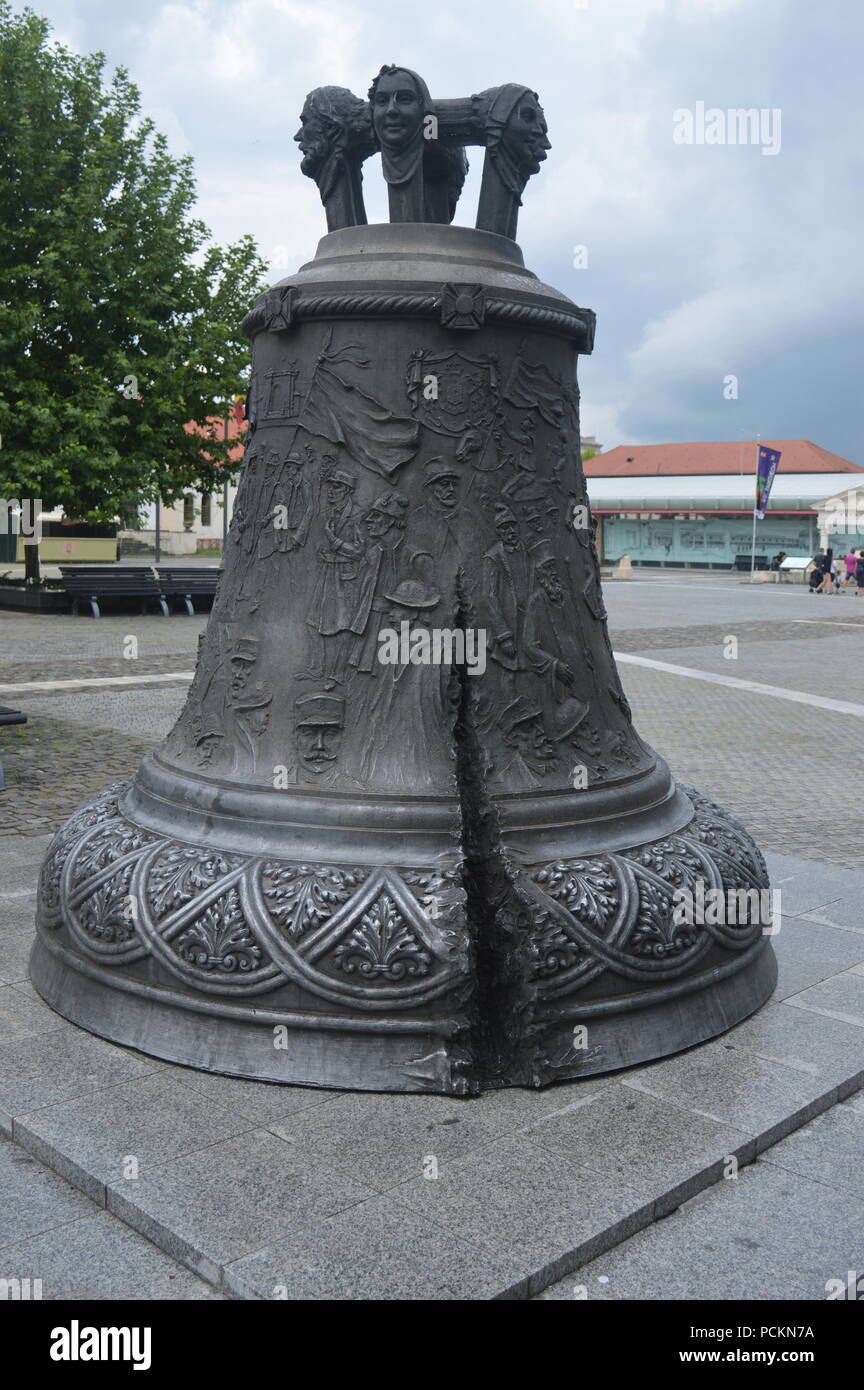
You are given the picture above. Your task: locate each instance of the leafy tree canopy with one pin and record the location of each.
(119, 319)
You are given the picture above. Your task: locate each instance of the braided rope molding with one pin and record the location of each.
(576, 324)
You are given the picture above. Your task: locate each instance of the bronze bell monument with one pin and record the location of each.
(404, 836)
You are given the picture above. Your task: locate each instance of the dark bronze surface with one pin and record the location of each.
(435, 874)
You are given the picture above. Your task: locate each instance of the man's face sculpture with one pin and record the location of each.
(508, 532)
(318, 745)
(397, 112)
(312, 139)
(525, 135)
(548, 576)
(444, 491)
(335, 493)
(240, 670)
(377, 524)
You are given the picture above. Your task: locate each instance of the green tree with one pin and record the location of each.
(119, 319)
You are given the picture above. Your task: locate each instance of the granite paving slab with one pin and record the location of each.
(763, 1099)
(534, 1211)
(813, 951)
(662, 1153)
(841, 997)
(768, 1234)
(95, 1139)
(230, 1199)
(59, 1064)
(379, 1250)
(99, 1257)
(830, 1149)
(35, 1199)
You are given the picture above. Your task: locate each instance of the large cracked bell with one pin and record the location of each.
(404, 835)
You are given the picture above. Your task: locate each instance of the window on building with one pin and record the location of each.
(205, 509)
(188, 511)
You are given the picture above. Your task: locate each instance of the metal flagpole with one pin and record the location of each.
(755, 499)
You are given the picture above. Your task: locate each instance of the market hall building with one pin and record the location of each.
(692, 504)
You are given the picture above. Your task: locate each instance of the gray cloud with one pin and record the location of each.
(702, 260)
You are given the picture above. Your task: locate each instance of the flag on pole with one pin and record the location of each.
(766, 467)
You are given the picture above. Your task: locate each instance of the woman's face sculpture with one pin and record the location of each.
(525, 134)
(397, 111)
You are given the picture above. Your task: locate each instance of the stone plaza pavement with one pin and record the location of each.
(729, 1171)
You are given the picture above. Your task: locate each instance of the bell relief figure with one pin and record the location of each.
(335, 136)
(516, 145)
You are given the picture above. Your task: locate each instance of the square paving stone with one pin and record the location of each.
(23, 1016)
(662, 1152)
(814, 1227)
(845, 912)
(830, 1150)
(660, 1265)
(260, 1101)
(100, 1258)
(220, 1203)
(18, 915)
(384, 1139)
(841, 998)
(379, 1250)
(764, 1099)
(825, 1048)
(15, 957)
(808, 884)
(810, 951)
(59, 1064)
(527, 1207)
(34, 1199)
(19, 880)
(152, 1120)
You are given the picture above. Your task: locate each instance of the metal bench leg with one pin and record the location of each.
(94, 607)
(163, 605)
(187, 599)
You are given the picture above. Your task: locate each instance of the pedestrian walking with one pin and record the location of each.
(827, 567)
(817, 574)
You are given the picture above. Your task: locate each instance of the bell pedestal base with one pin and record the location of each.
(375, 977)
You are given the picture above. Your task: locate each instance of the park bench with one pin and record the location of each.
(89, 583)
(742, 562)
(9, 716)
(184, 582)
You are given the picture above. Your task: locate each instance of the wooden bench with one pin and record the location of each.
(184, 582)
(89, 583)
(743, 562)
(9, 716)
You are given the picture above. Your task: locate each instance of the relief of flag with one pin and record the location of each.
(532, 387)
(342, 413)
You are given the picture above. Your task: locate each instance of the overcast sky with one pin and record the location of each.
(704, 260)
